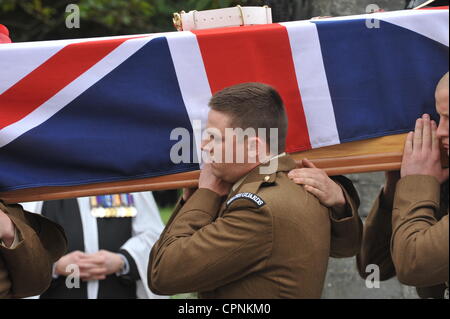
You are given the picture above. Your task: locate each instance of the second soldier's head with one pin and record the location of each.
(441, 95)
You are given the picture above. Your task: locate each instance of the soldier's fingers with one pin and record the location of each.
(417, 142)
(295, 173)
(297, 180)
(311, 182)
(434, 138)
(304, 181)
(305, 173)
(408, 144)
(307, 163)
(315, 191)
(426, 137)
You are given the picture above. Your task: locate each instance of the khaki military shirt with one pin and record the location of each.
(25, 267)
(410, 239)
(268, 239)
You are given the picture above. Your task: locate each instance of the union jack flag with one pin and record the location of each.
(94, 110)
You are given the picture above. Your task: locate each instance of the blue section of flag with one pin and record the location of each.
(381, 79)
(71, 148)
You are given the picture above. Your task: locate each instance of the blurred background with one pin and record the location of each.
(36, 20)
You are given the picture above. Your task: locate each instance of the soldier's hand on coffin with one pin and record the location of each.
(421, 155)
(210, 181)
(7, 229)
(317, 182)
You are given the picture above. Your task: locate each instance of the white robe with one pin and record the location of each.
(146, 229)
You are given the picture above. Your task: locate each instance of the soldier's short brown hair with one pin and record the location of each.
(253, 105)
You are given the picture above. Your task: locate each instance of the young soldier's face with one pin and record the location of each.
(228, 155)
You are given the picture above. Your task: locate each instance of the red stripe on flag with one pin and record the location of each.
(256, 54)
(50, 77)
(435, 8)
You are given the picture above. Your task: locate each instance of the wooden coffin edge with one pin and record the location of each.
(387, 155)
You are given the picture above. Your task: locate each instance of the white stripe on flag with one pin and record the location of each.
(72, 90)
(19, 59)
(192, 78)
(428, 23)
(313, 84)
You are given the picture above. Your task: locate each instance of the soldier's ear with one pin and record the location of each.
(260, 149)
(252, 149)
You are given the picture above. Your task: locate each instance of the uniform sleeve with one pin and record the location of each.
(5, 282)
(200, 252)
(346, 233)
(375, 246)
(420, 243)
(29, 264)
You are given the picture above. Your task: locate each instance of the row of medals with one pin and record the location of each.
(117, 209)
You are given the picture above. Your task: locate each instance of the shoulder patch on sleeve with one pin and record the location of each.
(249, 196)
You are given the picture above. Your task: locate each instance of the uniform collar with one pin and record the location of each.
(285, 164)
(239, 182)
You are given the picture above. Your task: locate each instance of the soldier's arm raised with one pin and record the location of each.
(420, 243)
(199, 251)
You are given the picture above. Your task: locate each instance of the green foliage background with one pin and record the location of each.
(33, 20)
